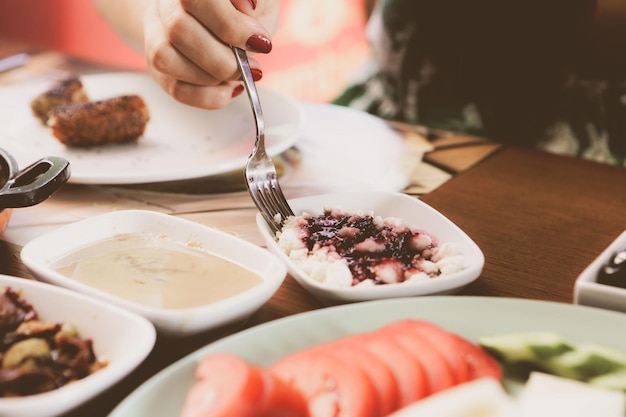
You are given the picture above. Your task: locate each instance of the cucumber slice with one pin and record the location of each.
(614, 380)
(549, 352)
(587, 361)
(532, 347)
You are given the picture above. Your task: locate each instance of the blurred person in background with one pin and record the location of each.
(546, 73)
(542, 73)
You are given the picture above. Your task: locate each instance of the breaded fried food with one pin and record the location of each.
(67, 91)
(116, 120)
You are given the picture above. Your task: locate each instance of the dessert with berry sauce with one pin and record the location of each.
(362, 249)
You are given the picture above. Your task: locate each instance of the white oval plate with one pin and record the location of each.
(40, 253)
(345, 149)
(386, 204)
(180, 142)
(472, 317)
(122, 337)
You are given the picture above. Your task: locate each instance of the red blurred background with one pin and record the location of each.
(318, 48)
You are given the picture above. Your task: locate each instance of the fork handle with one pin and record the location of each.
(253, 95)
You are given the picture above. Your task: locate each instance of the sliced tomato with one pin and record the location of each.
(479, 362)
(437, 371)
(442, 340)
(280, 399)
(331, 386)
(226, 386)
(408, 372)
(383, 380)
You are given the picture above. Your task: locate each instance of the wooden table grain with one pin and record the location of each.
(540, 219)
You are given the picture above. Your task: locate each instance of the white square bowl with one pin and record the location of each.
(588, 291)
(41, 253)
(121, 337)
(386, 204)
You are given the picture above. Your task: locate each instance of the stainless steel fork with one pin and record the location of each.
(260, 172)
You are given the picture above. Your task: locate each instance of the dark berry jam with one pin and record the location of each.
(369, 246)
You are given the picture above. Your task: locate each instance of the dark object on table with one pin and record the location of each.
(614, 272)
(33, 184)
(28, 186)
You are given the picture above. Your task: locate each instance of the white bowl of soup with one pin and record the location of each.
(185, 277)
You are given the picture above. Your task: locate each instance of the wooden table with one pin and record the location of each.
(540, 220)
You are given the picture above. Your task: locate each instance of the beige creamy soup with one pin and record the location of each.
(156, 271)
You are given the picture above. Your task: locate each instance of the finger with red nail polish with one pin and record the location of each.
(259, 43)
(257, 74)
(245, 6)
(237, 91)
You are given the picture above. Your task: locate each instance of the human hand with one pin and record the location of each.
(187, 46)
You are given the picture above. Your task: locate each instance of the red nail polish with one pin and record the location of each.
(259, 43)
(237, 90)
(257, 74)
(253, 4)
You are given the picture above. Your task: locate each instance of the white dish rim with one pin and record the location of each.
(173, 322)
(440, 285)
(587, 291)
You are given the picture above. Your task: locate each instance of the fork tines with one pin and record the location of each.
(269, 199)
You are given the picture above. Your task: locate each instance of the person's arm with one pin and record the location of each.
(126, 19)
(186, 42)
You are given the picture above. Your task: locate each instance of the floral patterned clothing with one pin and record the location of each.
(506, 74)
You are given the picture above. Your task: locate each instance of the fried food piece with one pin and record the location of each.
(65, 92)
(115, 120)
(39, 356)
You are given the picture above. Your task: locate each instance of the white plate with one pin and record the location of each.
(39, 254)
(124, 338)
(180, 142)
(345, 149)
(471, 317)
(386, 204)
